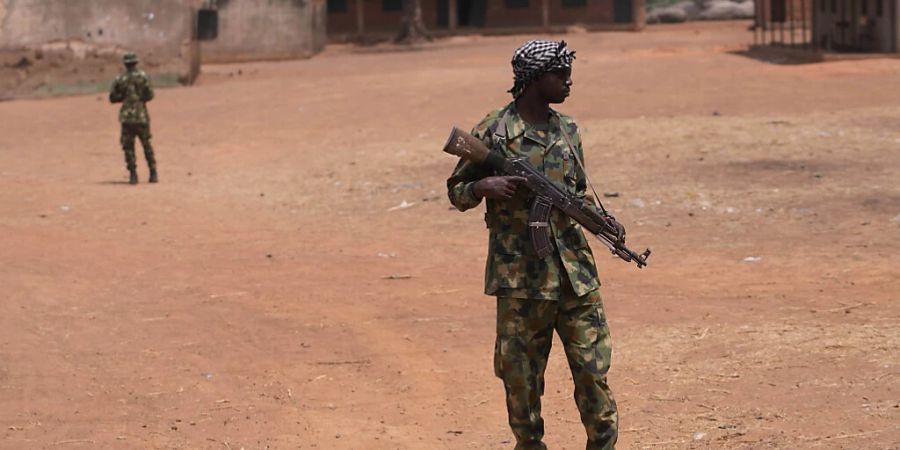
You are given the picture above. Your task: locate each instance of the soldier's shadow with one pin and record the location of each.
(113, 182)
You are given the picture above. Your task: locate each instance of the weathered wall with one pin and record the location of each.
(52, 47)
(266, 29)
(497, 17)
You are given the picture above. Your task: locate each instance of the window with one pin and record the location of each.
(391, 5)
(574, 3)
(207, 24)
(516, 3)
(337, 6)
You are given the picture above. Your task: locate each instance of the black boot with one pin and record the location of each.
(153, 177)
(132, 176)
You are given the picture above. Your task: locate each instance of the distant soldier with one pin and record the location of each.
(132, 88)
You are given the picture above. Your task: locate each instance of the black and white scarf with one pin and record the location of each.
(537, 57)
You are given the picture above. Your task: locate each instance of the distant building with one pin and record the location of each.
(355, 18)
(51, 47)
(246, 30)
(826, 26)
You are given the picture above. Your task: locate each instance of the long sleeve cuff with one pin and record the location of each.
(463, 196)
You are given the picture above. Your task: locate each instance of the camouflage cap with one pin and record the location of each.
(129, 58)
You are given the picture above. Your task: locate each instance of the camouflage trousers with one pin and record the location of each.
(524, 337)
(142, 132)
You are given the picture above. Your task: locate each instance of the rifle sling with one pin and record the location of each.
(580, 164)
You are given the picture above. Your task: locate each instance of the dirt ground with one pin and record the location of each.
(270, 292)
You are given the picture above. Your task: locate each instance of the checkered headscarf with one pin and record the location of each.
(537, 57)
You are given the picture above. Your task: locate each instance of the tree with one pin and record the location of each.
(412, 28)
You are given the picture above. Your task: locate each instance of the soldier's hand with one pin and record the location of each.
(614, 224)
(497, 188)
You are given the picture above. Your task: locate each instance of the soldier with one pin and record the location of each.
(132, 88)
(538, 295)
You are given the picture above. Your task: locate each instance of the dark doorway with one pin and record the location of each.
(844, 25)
(442, 20)
(207, 24)
(469, 13)
(622, 11)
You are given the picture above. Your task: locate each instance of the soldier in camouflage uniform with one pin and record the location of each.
(538, 295)
(132, 89)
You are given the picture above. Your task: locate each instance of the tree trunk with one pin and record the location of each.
(412, 28)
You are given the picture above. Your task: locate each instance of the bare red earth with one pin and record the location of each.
(269, 294)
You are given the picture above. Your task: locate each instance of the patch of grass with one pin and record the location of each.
(90, 87)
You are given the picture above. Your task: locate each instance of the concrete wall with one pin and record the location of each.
(266, 29)
(498, 18)
(50, 47)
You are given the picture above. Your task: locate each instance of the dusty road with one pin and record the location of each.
(267, 294)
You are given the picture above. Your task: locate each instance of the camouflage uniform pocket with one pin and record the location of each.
(510, 361)
(508, 271)
(499, 365)
(572, 243)
(602, 344)
(585, 335)
(509, 348)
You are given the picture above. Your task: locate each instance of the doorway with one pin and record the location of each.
(468, 13)
(622, 11)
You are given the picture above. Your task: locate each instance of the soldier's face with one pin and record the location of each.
(555, 86)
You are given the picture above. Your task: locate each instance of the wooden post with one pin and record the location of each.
(452, 15)
(896, 25)
(803, 24)
(545, 13)
(360, 17)
(790, 14)
(815, 14)
(757, 8)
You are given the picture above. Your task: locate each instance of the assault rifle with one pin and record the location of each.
(547, 197)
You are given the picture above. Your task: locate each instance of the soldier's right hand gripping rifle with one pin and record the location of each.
(547, 196)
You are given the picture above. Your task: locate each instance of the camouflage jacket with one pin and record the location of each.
(513, 268)
(133, 90)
